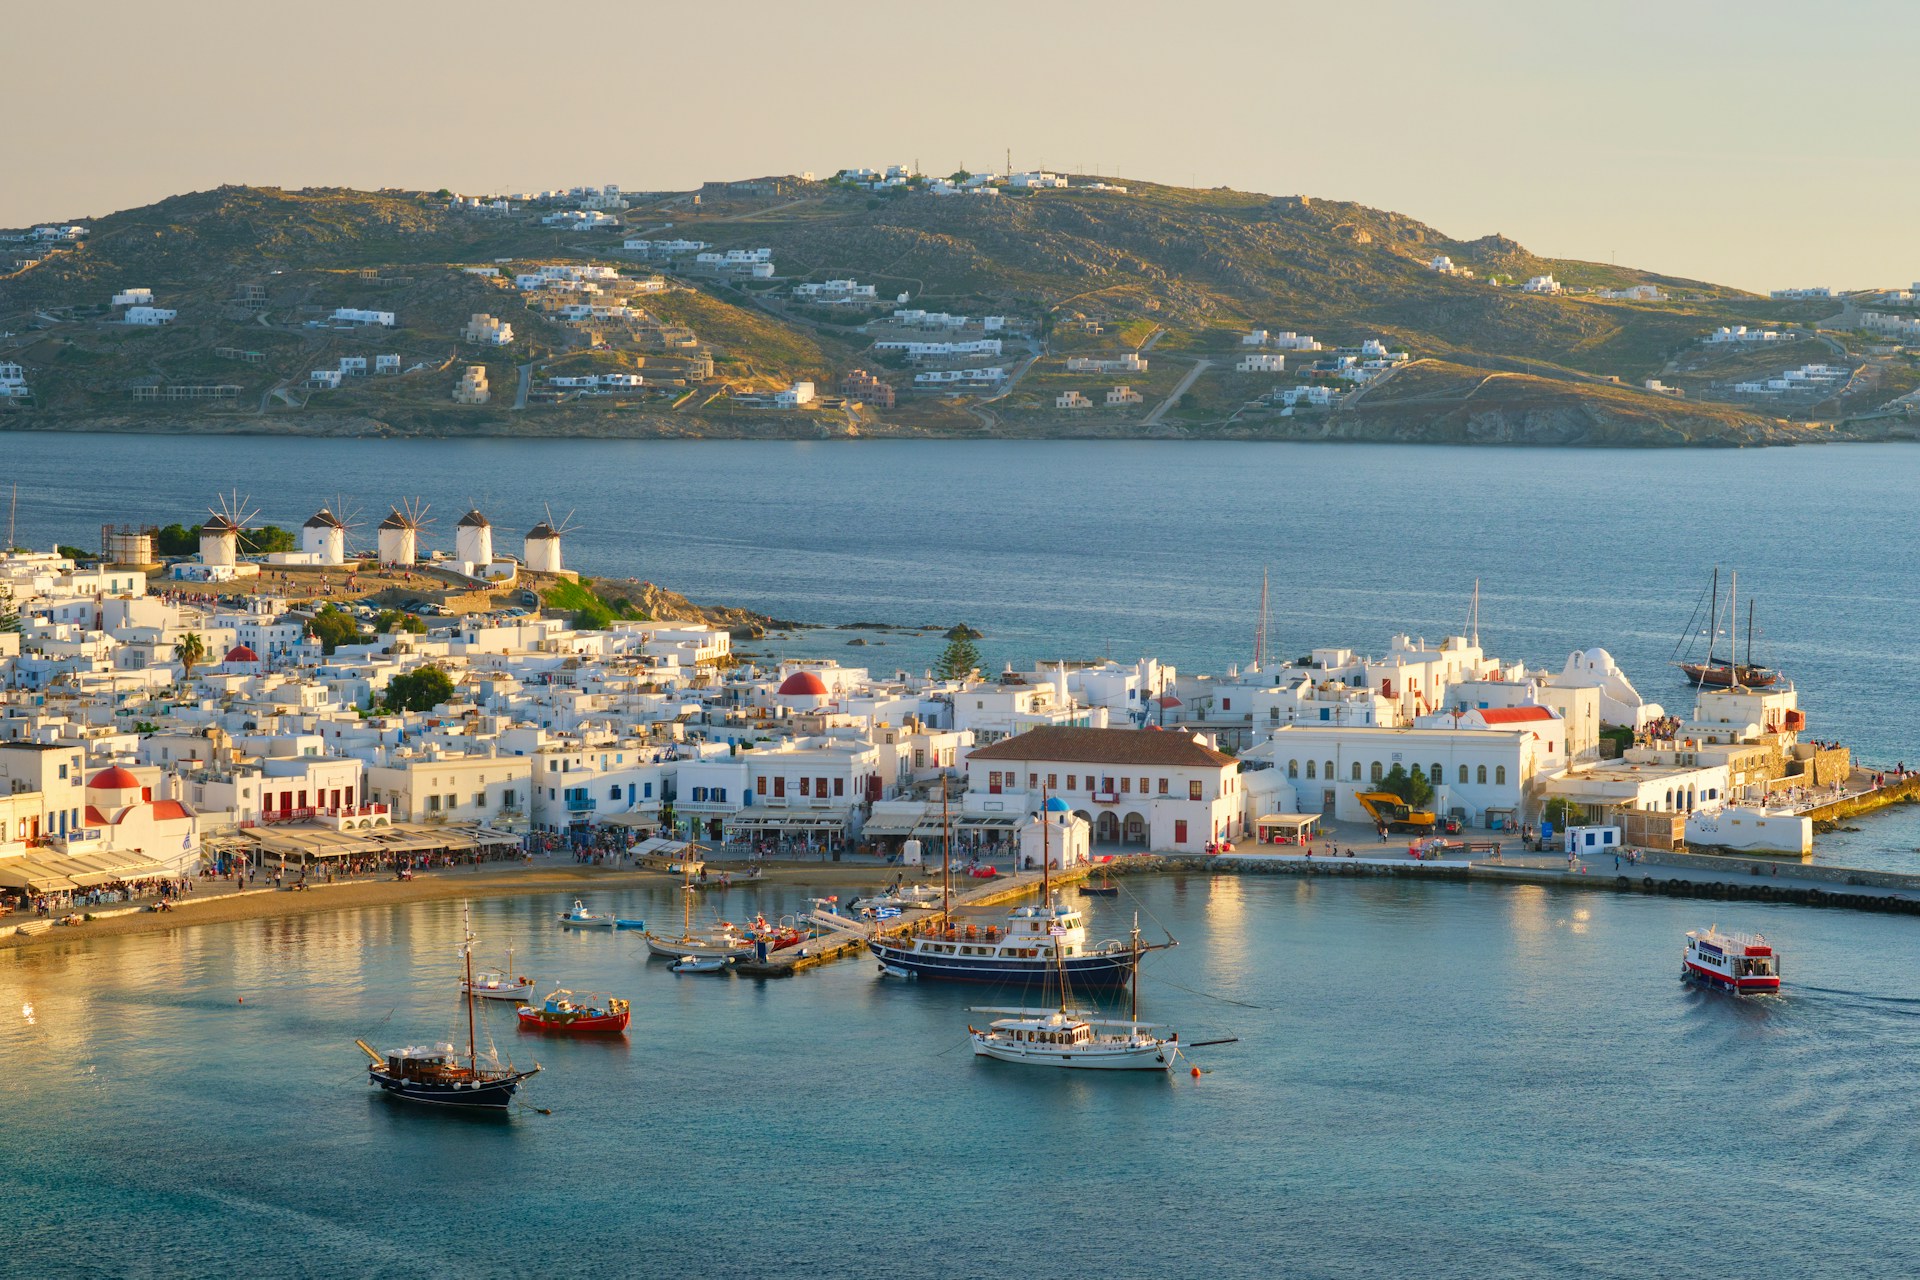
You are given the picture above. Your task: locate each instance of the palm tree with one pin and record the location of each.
(189, 653)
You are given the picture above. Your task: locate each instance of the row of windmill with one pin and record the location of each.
(331, 537)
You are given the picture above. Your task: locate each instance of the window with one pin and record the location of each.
(1480, 775)
(433, 804)
(479, 799)
(717, 793)
(820, 788)
(1500, 775)
(1328, 775)
(803, 786)
(1126, 785)
(1293, 768)
(613, 793)
(1073, 782)
(1463, 775)
(1309, 768)
(1053, 782)
(1143, 786)
(839, 786)
(1375, 773)
(1163, 786)
(1356, 771)
(1193, 790)
(1179, 831)
(780, 787)
(759, 784)
(1434, 775)
(1226, 704)
(647, 791)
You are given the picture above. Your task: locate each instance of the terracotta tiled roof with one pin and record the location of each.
(1127, 747)
(1514, 715)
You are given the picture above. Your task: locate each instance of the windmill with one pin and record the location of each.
(228, 518)
(543, 542)
(329, 534)
(473, 541)
(399, 534)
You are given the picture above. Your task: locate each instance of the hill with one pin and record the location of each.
(682, 348)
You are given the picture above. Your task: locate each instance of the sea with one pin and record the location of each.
(1093, 549)
(1429, 1079)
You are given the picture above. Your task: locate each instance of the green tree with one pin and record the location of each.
(1413, 788)
(189, 652)
(421, 690)
(958, 660)
(335, 627)
(388, 621)
(267, 538)
(177, 540)
(73, 553)
(1563, 813)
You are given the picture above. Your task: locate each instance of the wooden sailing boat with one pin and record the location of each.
(440, 1077)
(726, 944)
(1726, 673)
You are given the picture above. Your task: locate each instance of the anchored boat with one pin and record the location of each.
(1038, 945)
(727, 943)
(1742, 963)
(1076, 1039)
(594, 1013)
(500, 984)
(439, 1076)
(581, 918)
(1717, 672)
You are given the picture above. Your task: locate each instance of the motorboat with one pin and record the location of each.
(564, 1012)
(699, 964)
(1742, 963)
(499, 984)
(581, 918)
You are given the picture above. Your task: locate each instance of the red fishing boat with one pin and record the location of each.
(593, 1013)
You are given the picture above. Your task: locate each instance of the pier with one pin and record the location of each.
(843, 936)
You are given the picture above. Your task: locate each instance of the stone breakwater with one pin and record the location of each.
(1676, 876)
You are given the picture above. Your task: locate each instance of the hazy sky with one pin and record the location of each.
(1762, 144)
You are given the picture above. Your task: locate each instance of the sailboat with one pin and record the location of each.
(441, 1077)
(1040, 945)
(1075, 1038)
(1725, 673)
(727, 944)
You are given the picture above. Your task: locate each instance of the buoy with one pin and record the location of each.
(243, 999)
(1196, 1073)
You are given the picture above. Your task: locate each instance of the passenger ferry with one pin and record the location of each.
(1066, 1038)
(1021, 953)
(1741, 963)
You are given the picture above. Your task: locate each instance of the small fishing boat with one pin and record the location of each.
(593, 1013)
(500, 984)
(438, 1076)
(1744, 964)
(778, 937)
(1105, 889)
(581, 918)
(699, 964)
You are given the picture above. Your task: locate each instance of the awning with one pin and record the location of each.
(895, 824)
(789, 822)
(650, 817)
(35, 877)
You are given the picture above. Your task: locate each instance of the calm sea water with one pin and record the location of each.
(1084, 549)
(1432, 1080)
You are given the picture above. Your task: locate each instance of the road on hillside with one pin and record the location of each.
(526, 384)
(1200, 366)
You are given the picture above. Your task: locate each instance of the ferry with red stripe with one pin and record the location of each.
(1742, 963)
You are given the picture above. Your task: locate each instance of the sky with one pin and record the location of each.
(1763, 144)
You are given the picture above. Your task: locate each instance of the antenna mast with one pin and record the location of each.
(1260, 632)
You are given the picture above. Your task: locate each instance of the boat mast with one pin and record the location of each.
(946, 855)
(1713, 622)
(1733, 623)
(1046, 856)
(473, 1039)
(1749, 631)
(1135, 1015)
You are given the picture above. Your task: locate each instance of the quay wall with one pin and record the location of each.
(1680, 875)
(1905, 791)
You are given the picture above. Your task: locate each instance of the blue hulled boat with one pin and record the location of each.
(1019, 954)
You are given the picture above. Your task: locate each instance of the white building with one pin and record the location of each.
(1167, 791)
(484, 329)
(795, 396)
(355, 316)
(13, 381)
(134, 298)
(1262, 362)
(1130, 362)
(1541, 284)
(149, 316)
(1819, 291)
(1120, 397)
(1071, 400)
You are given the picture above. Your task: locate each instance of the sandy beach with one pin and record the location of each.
(483, 882)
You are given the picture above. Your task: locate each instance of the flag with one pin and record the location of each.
(887, 913)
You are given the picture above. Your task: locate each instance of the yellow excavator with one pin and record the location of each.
(1388, 809)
